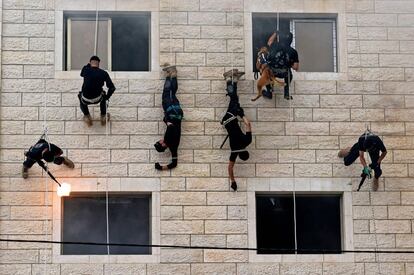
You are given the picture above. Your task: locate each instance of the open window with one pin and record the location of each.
(314, 37)
(123, 40)
(318, 224)
(84, 220)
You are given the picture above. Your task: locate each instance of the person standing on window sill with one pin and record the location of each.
(238, 140)
(92, 93)
(173, 114)
(372, 144)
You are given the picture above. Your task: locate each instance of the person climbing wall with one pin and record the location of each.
(238, 140)
(42, 150)
(173, 114)
(372, 144)
(92, 92)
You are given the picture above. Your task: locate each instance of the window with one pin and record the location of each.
(123, 40)
(314, 37)
(318, 225)
(84, 220)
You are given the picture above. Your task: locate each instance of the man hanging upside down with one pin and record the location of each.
(42, 150)
(92, 92)
(238, 140)
(366, 143)
(173, 114)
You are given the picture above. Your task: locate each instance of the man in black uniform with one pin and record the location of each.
(173, 114)
(46, 151)
(366, 143)
(92, 92)
(238, 140)
(281, 42)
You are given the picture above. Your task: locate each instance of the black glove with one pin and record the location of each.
(234, 186)
(158, 166)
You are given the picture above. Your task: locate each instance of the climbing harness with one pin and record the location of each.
(227, 121)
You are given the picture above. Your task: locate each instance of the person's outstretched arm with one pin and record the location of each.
(247, 123)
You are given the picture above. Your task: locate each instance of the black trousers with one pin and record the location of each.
(84, 105)
(28, 163)
(288, 81)
(354, 154)
(234, 104)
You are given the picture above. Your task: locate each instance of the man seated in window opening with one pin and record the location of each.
(282, 58)
(238, 140)
(42, 150)
(366, 143)
(173, 114)
(92, 92)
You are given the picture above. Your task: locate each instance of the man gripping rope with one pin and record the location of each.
(173, 114)
(238, 140)
(48, 152)
(282, 58)
(372, 144)
(92, 92)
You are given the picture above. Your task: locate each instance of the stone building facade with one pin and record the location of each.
(294, 144)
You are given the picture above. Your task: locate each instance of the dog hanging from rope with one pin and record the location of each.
(173, 114)
(274, 62)
(238, 140)
(43, 150)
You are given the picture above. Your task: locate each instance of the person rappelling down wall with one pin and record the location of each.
(173, 114)
(48, 152)
(92, 92)
(238, 140)
(281, 58)
(371, 143)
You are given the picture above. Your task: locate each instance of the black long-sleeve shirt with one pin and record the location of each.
(93, 81)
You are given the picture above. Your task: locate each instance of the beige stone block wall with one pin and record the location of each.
(292, 142)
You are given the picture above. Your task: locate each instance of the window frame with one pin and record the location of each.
(102, 195)
(304, 194)
(317, 6)
(73, 6)
(121, 186)
(313, 186)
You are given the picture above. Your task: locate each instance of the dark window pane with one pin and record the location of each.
(318, 223)
(263, 26)
(130, 43)
(274, 224)
(84, 220)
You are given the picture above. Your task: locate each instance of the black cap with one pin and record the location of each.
(158, 146)
(94, 57)
(244, 155)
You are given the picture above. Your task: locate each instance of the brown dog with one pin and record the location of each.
(266, 74)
